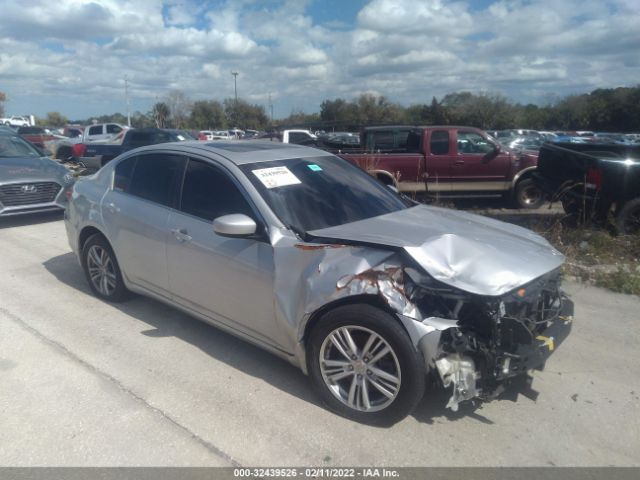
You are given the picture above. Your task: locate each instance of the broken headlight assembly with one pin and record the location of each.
(495, 338)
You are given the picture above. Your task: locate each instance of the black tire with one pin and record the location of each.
(114, 290)
(628, 218)
(528, 194)
(403, 363)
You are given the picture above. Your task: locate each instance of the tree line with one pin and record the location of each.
(613, 109)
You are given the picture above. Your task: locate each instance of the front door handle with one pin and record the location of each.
(459, 162)
(181, 234)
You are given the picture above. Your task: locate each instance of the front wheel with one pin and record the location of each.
(364, 365)
(528, 194)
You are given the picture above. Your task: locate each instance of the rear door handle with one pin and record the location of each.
(181, 234)
(112, 207)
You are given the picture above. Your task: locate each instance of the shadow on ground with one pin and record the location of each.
(30, 219)
(238, 354)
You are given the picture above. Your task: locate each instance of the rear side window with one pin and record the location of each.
(111, 128)
(96, 130)
(123, 173)
(440, 142)
(139, 138)
(209, 193)
(155, 177)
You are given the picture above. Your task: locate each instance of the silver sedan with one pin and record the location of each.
(29, 181)
(309, 257)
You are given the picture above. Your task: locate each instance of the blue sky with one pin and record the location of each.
(72, 56)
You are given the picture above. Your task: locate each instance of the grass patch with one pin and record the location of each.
(593, 253)
(620, 281)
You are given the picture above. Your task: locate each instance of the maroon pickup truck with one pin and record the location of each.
(447, 161)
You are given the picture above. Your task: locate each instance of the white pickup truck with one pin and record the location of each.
(15, 121)
(300, 137)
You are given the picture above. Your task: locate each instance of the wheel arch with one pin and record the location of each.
(87, 232)
(372, 300)
(384, 177)
(521, 175)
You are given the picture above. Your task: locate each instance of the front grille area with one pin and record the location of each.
(19, 194)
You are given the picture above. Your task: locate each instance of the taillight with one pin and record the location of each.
(78, 150)
(69, 193)
(594, 178)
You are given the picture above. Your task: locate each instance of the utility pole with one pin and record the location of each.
(271, 108)
(126, 95)
(235, 90)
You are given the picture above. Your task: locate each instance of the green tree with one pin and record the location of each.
(56, 119)
(207, 114)
(161, 114)
(245, 115)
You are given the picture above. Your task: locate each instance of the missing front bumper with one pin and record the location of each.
(487, 372)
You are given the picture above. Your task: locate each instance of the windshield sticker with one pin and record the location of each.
(314, 167)
(276, 177)
(181, 138)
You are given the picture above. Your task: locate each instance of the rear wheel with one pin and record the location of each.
(528, 194)
(364, 365)
(628, 218)
(102, 270)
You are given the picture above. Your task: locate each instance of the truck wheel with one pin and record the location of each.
(628, 219)
(364, 365)
(528, 194)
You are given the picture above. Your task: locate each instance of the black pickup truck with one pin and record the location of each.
(592, 179)
(95, 155)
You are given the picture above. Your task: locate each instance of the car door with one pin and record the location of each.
(478, 166)
(439, 160)
(135, 213)
(227, 279)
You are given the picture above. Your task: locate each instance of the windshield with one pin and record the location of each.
(12, 146)
(319, 192)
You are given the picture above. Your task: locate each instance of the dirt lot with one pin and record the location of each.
(83, 382)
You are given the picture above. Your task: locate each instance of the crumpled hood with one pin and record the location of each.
(470, 252)
(30, 168)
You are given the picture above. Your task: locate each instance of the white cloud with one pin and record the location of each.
(407, 50)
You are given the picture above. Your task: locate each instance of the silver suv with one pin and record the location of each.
(309, 257)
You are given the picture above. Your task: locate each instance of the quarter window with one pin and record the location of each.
(123, 173)
(96, 130)
(155, 177)
(439, 142)
(209, 193)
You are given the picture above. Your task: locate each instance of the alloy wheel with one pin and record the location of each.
(360, 368)
(101, 270)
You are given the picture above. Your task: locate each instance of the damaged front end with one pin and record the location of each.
(492, 340)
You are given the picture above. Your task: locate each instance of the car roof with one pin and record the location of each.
(241, 152)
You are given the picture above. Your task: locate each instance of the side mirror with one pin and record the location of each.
(392, 188)
(234, 225)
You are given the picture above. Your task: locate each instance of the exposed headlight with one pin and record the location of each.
(68, 178)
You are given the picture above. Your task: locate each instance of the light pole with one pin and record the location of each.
(235, 90)
(126, 94)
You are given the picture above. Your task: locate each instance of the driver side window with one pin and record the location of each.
(472, 142)
(209, 193)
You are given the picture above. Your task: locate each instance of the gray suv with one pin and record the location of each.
(29, 181)
(309, 257)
